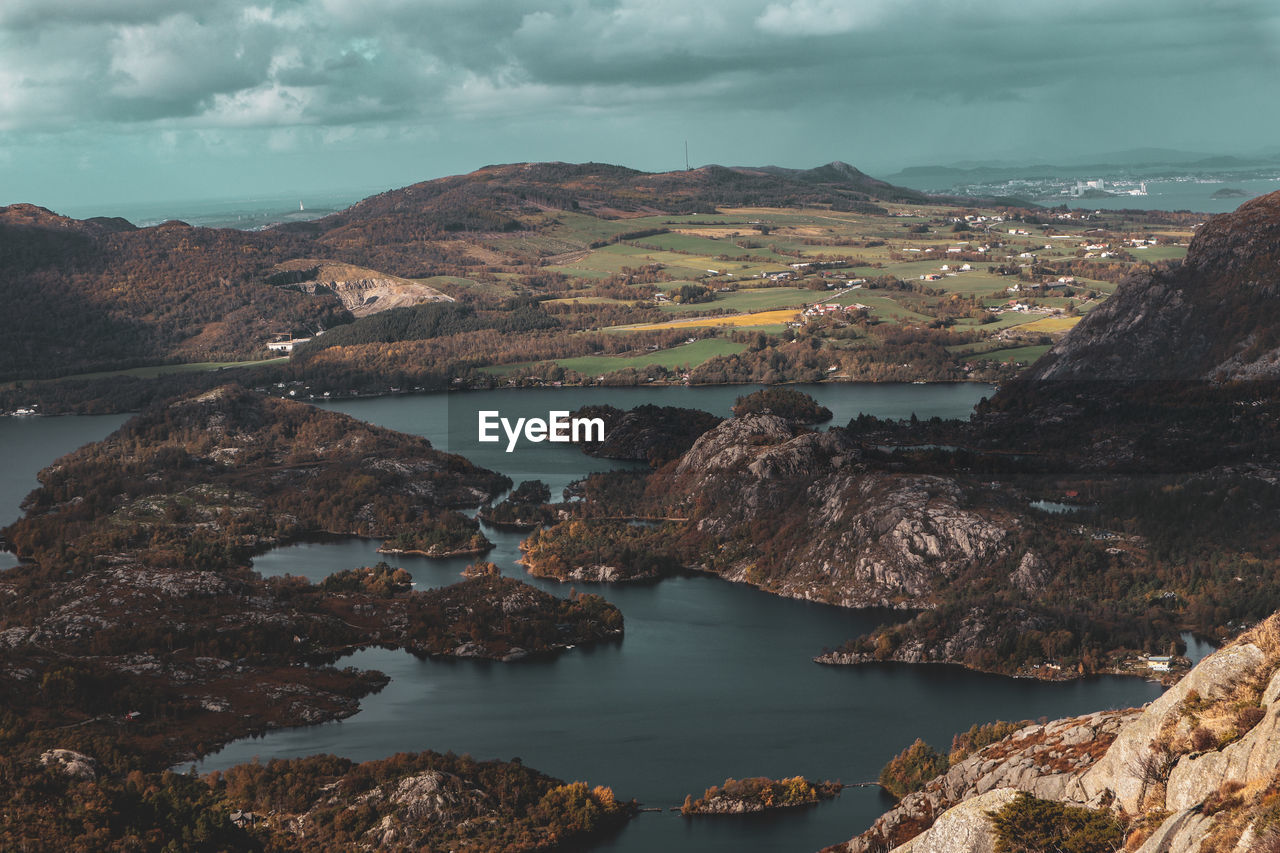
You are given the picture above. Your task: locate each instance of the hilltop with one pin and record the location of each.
(1214, 317)
(100, 293)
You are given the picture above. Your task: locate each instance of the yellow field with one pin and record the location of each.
(760, 318)
(1051, 325)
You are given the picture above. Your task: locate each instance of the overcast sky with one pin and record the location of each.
(109, 101)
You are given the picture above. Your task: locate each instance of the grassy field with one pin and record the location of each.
(736, 245)
(754, 299)
(881, 306)
(587, 300)
(685, 355)
(1026, 355)
(1051, 325)
(1151, 254)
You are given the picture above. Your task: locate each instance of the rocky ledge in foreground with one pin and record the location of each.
(1197, 769)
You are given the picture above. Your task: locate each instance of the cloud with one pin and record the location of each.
(20, 15)
(819, 17)
(180, 62)
(506, 77)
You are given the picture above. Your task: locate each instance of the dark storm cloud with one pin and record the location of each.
(323, 61)
(513, 77)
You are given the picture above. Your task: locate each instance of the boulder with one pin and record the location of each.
(964, 827)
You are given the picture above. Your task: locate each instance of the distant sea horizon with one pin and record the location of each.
(245, 213)
(258, 212)
(1191, 194)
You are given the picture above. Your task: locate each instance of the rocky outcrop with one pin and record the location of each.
(362, 291)
(73, 763)
(1180, 833)
(1130, 769)
(417, 802)
(1032, 573)
(1201, 762)
(1043, 760)
(653, 434)
(851, 535)
(965, 827)
(1195, 777)
(1212, 318)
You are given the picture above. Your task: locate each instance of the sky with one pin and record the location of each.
(107, 102)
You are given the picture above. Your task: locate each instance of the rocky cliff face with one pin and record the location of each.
(1212, 318)
(1044, 760)
(1196, 770)
(362, 291)
(833, 529)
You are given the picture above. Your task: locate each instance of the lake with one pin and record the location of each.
(29, 444)
(712, 679)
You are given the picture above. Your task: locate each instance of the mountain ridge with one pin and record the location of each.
(124, 296)
(1211, 318)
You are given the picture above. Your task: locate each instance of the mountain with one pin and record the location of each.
(1214, 317)
(98, 294)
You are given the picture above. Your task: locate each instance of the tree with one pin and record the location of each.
(911, 769)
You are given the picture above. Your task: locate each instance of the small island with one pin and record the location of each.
(759, 794)
(449, 534)
(648, 433)
(526, 508)
(795, 407)
(1231, 192)
(602, 550)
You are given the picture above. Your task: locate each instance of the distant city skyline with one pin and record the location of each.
(108, 102)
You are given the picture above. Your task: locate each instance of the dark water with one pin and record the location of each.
(450, 420)
(713, 680)
(29, 444)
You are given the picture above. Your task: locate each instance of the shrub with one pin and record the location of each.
(966, 743)
(909, 770)
(1030, 825)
